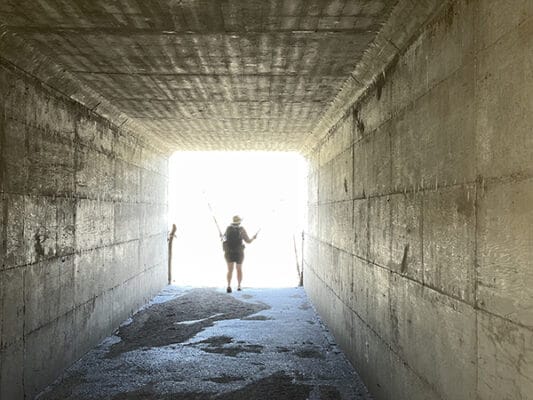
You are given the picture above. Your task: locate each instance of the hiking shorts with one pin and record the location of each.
(234, 256)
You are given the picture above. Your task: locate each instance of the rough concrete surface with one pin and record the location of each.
(226, 75)
(74, 251)
(415, 117)
(426, 283)
(205, 344)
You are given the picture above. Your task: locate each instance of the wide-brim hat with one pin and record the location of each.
(237, 219)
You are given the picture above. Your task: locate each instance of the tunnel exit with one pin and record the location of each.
(266, 189)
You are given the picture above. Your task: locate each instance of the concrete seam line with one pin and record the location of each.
(380, 338)
(92, 299)
(349, 95)
(10, 41)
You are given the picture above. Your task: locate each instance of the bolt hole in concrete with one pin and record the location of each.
(267, 189)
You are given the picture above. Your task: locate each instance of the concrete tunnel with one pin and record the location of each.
(415, 119)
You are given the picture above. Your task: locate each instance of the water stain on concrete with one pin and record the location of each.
(215, 341)
(257, 318)
(404, 259)
(234, 359)
(225, 379)
(178, 320)
(309, 352)
(224, 345)
(329, 393)
(465, 203)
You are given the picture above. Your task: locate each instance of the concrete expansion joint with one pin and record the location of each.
(389, 63)
(399, 274)
(414, 190)
(24, 327)
(391, 42)
(82, 104)
(385, 343)
(396, 113)
(516, 177)
(528, 328)
(40, 128)
(421, 283)
(79, 306)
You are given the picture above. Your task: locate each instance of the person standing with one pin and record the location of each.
(234, 249)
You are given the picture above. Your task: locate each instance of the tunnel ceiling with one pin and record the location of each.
(207, 74)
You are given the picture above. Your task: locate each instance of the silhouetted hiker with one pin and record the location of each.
(234, 249)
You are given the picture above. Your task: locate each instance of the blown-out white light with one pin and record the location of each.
(267, 189)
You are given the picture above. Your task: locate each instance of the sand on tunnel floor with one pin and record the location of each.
(202, 343)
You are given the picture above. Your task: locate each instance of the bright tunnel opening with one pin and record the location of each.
(267, 189)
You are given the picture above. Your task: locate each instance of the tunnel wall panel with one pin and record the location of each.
(83, 230)
(426, 284)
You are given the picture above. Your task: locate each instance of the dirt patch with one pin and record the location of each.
(225, 379)
(224, 345)
(309, 353)
(329, 393)
(257, 318)
(215, 341)
(304, 306)
(178, 320)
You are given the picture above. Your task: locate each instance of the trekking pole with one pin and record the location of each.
(171, 237)
(302, 272)
(213, 215)
(297, 262)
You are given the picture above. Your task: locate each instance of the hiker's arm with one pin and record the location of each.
(246, 238)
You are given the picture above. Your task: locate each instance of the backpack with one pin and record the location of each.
(233, 240)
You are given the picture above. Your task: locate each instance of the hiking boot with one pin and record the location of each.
(239, 289)
(228, 289)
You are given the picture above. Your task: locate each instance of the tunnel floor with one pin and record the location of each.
(200, 344)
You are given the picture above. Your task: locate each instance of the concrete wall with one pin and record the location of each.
(83, 231)
(419, 247)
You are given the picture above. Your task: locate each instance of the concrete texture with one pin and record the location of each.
(73, 251)
(439, 305)
(231, 75)
(206, 344)
(414, 116)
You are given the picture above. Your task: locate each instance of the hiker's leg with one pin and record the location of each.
(239, 275)
(230, 272)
